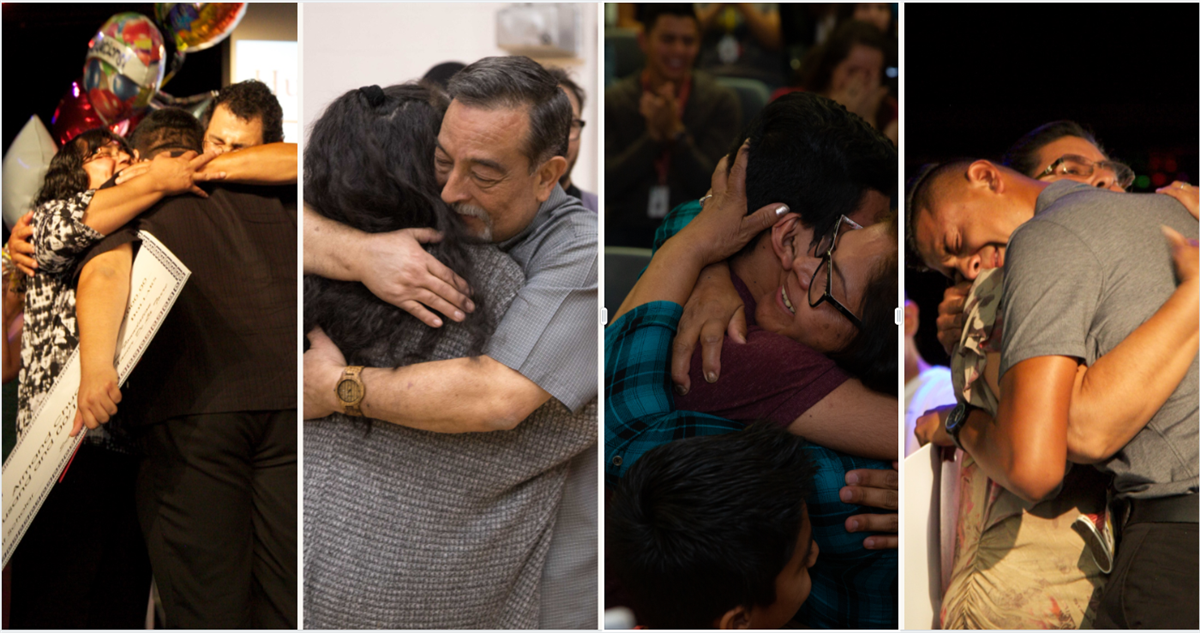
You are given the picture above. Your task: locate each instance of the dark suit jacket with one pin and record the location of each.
(229, 342)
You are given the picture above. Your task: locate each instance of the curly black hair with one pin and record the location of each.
(371, 167)
(65, 176)
(248, 100)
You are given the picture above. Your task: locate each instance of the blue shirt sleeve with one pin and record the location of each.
(639, 409)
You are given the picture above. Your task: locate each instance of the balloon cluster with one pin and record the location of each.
(127, 64)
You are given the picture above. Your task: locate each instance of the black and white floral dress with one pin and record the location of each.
(50, 334)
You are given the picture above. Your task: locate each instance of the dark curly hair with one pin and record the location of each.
(248, 100)
(371, 167)
(65, 176)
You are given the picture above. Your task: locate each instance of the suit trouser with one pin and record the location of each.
(82, 564)
(216, 498)
(1154, 581)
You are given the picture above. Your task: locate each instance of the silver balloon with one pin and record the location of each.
(25, 166)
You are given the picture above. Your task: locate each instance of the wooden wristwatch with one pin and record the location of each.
(350, 390)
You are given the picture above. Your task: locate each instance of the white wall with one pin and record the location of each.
(348, 46)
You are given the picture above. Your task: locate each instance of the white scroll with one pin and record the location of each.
(38, 459)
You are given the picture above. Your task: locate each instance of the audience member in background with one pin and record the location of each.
(741, 39)
(665, 128)
(877, 13)
(925, 386)
(576, 96)
(849, 69)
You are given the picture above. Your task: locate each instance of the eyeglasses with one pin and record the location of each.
(577, 128)
(1073, 166)
(823, 275)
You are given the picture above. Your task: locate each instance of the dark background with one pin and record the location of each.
(44, 50)
(981, 76)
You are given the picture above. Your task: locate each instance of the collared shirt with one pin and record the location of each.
(853, 587)
(548, 333)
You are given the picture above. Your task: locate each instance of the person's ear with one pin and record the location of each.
(783, 239)
(548, 175)
(642, 40)
(735, 618)
(137, 156)
(912, 318)
(982, 173)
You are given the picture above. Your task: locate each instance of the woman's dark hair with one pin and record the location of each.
(871, 354)
(816, 70)
(371, 167)
(702, 525)
(1023, 155)
(65, 176)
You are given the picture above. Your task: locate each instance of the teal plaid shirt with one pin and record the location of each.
(853, 587)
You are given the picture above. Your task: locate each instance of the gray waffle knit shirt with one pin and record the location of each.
(408, 529)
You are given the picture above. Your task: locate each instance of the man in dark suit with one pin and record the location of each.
(212, 402)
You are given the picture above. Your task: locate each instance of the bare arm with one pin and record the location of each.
(270, 164)
(100, 304)
(1025, 448)
(393, 266)
(459, 395)
(854, 420)
(1114, 398)
(112, 208)
(14, 307)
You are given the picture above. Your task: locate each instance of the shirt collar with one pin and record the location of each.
(557, 198)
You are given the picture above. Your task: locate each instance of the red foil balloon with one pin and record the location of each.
(75, 115)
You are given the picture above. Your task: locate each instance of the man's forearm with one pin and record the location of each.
(1123, 389)
(270, 164)
(1025, 448)
(459, 395)
(329, 247)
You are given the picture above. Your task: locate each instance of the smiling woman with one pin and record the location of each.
(814, 338)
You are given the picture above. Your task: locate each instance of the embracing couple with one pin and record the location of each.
(1075, 322)
(449, 460)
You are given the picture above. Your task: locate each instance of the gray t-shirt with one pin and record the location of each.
(1085, 272)
(549, 331)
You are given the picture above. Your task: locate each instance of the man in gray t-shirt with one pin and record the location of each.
(1083, 269)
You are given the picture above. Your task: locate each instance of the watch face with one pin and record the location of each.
(349, 391)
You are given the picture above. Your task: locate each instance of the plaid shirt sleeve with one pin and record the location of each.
(675, 221)
(852, 587)
(639, 411)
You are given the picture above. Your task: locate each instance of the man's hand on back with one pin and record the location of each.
(396, 268)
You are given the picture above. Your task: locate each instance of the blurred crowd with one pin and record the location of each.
(681, 80)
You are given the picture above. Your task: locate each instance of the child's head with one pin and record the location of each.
(712, 532)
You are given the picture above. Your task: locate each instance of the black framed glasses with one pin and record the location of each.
(1075, 166)
(822, 279)
(577, 128)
